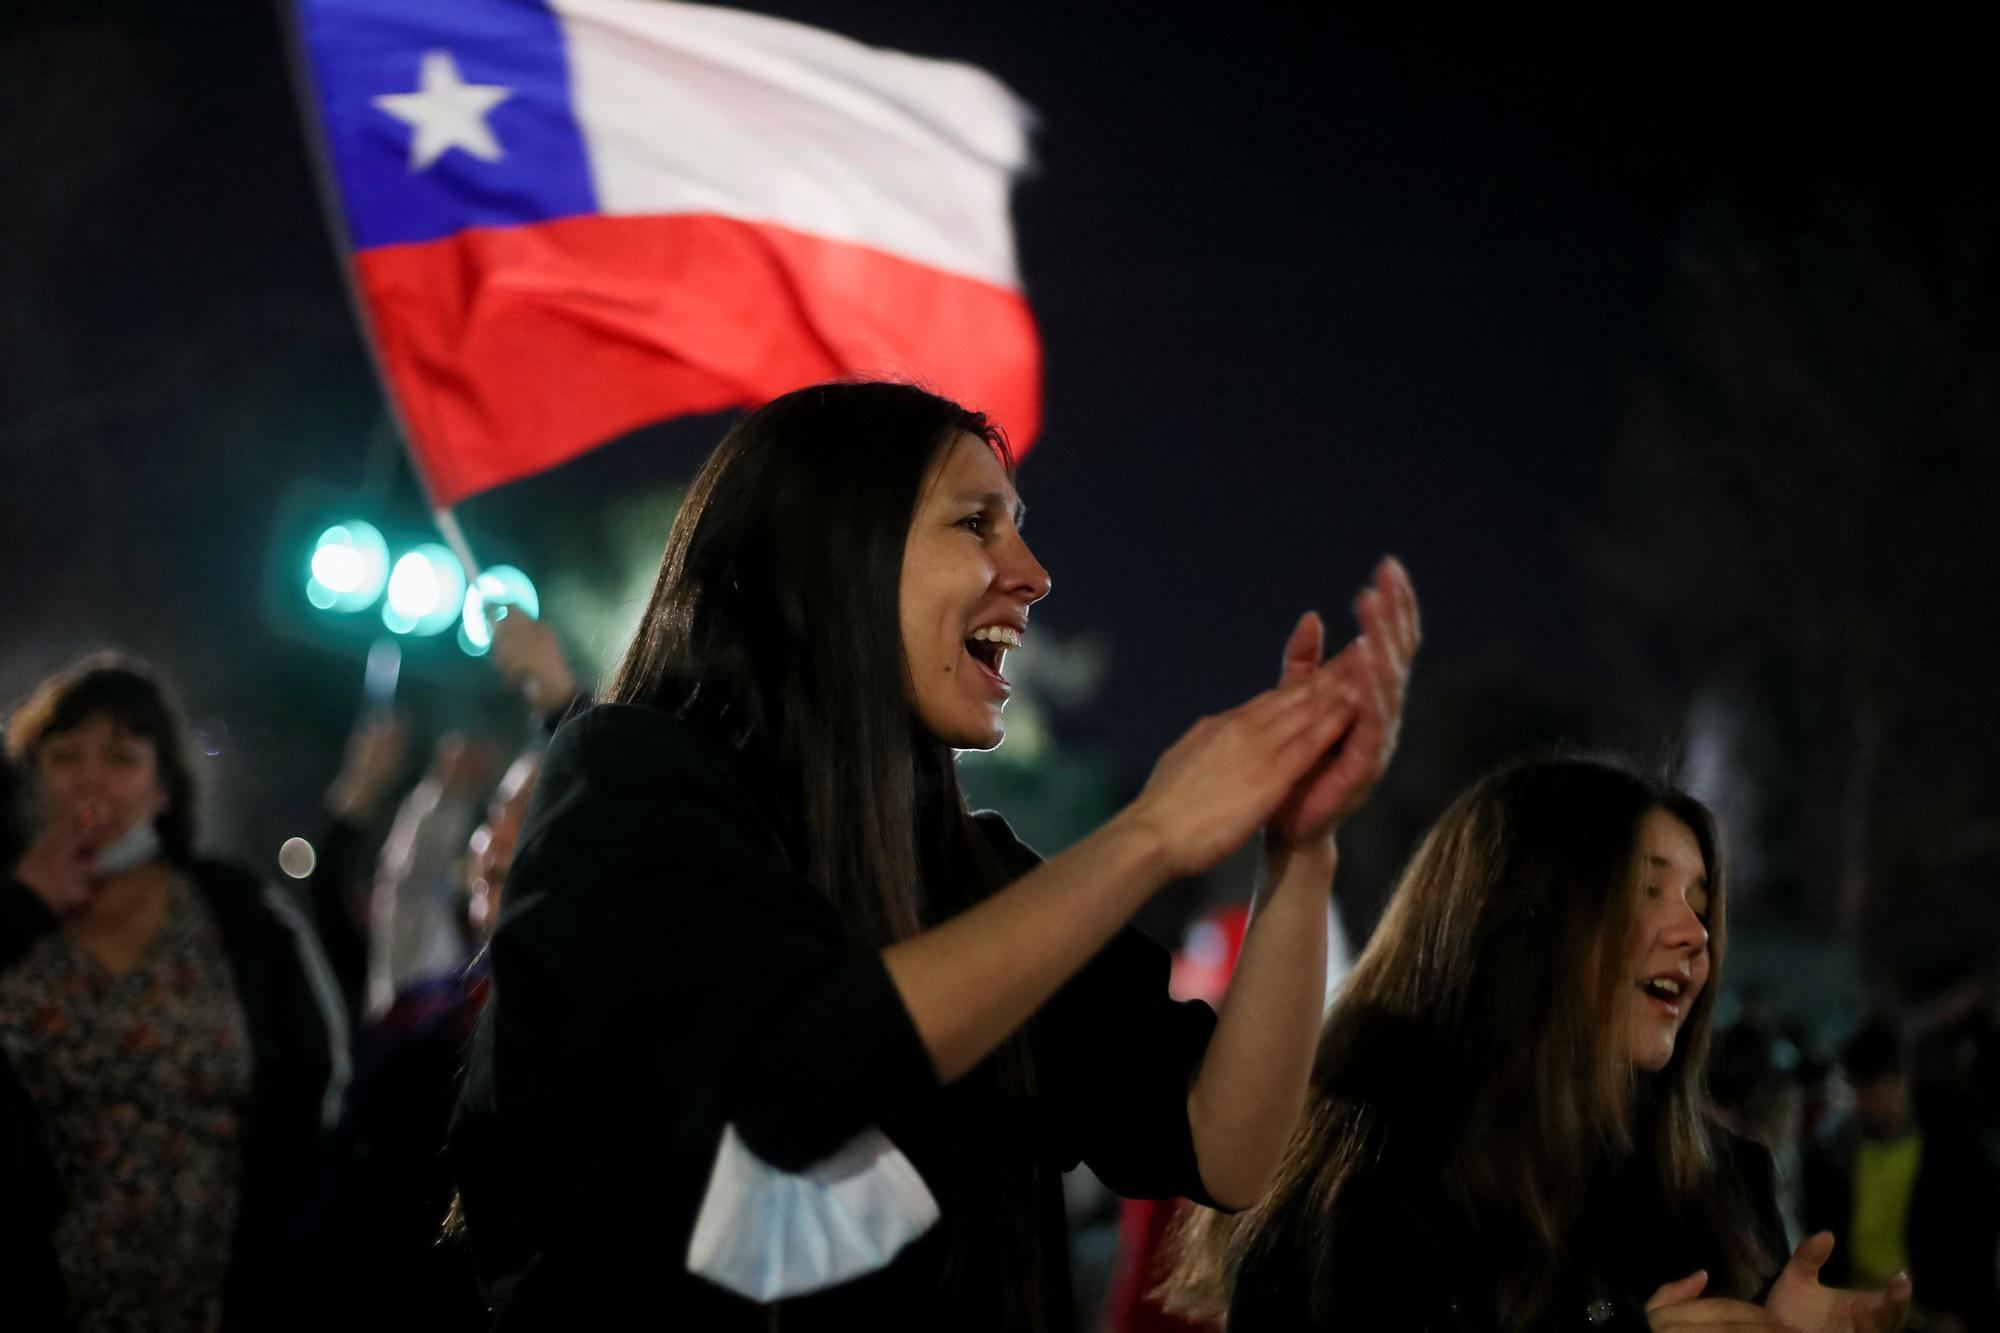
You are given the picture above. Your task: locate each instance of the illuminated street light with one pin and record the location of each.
(426, 589)
(501, 586)
(349, 567)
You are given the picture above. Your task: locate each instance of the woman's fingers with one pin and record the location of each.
(1811, 1256)
(1296, 756)
(1712, 1315)
(1686, 1289)
(1305, 646)
(1402, 595)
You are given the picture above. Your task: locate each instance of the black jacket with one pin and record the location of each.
(1403, 1255)
(658, 973)
(295, 1055)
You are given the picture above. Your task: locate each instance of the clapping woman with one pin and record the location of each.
(779, 1031)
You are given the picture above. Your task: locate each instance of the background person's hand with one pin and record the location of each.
(1218, 783)
(57, 865)
(528, 657)
(465, 766)
(376, 751)
(1799, 1299)
(1680, 1305)
(1377, 666)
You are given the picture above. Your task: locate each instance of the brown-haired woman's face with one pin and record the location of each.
(1667, 952)
(968, 581)
(99, 775)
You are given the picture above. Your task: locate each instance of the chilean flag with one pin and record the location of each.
(574, 217)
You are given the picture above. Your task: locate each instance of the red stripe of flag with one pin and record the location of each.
(641, 318)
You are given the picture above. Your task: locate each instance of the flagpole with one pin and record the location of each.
(454, 537)
(305, 95)
(305, 90)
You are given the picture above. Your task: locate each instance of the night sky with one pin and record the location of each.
(1311, 290)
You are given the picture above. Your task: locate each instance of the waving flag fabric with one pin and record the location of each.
(573, 217)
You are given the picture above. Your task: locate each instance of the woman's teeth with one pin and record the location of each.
(1001, 634)
(1662, 988)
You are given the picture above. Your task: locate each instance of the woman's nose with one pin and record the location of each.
(1023, 575)
(1687, 931)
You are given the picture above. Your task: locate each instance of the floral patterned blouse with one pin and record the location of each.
(141, 1078)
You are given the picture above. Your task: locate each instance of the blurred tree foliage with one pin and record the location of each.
(1802, 524)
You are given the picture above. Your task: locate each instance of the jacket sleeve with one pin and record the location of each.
(646, 921)
(1120, 1055)
(24, 918)
(331, 891)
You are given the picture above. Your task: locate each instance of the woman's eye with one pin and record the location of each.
(973, 523)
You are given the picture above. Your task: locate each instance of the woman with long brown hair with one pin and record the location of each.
(780, 1033)
(1506, 1126)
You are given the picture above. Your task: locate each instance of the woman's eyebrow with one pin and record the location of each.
(1662, 863)
(992, 500)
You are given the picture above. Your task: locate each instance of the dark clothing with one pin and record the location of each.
(658, 974)
(1953, 1233)
(1404, 1255)
(337, 891)
(292, 1057)
(31, 1202)
(385, 1189)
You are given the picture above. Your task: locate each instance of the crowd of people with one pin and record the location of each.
(718, 1008)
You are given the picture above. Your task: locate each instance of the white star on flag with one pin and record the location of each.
(448, 113)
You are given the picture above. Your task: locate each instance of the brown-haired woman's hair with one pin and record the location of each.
(775, 624)
(1481, 1029)
(126, 691)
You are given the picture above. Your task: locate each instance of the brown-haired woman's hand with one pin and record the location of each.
(1799, 1299)
(1377, 666)
(57, 865)
(1680, 1305)
(1218, 783)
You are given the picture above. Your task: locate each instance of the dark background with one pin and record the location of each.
(1661, 350)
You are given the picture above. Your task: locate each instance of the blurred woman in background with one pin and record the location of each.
(1506, 1126)
(168, 1015)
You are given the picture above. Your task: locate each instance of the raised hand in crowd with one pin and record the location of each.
(376, 752)
(1376, 667)
(58, 863)
(528, 657)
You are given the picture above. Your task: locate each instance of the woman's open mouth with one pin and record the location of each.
(1665, 991)
(988, 647)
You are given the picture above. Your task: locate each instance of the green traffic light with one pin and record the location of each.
(349, 567)
(426, 590)
(501, 586)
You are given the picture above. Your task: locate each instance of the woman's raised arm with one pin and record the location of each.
(974, 979)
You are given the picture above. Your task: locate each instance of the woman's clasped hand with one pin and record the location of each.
(1298, 758)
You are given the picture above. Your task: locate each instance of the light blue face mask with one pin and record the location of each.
(136, 846)
(770, 1234)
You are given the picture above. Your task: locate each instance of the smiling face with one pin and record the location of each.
(102, 776)
(968, 581)
(1667, 960)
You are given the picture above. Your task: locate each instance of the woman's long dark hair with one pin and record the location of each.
(1493, 987)
(775, 625)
